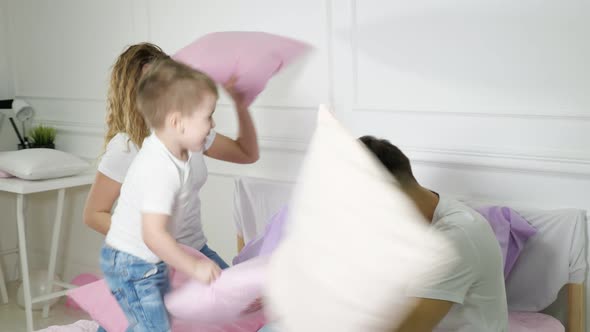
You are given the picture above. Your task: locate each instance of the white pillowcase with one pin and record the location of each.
(354, 241)
(39, 164)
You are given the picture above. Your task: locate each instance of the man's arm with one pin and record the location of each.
(425, 316)
(445, 284)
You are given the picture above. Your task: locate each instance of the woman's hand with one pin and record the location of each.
(243, 149)
(238, 97)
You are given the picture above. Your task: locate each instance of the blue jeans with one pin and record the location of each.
(266, 328)
(212, 255)
(139, 288)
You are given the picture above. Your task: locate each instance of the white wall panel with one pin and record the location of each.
(489, 98)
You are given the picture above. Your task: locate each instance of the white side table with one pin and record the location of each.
(21, 188)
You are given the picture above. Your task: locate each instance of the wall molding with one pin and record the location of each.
(544, 162)
(98, 130)
(73, 127)
(330, 49)
(225, 104)
(356, 107)
(273, 108)
(354, 52)
(11, 53)
(26, 96)
(571, 116)
(539, 162)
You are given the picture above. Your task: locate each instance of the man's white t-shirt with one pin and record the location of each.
(475, 283)
(115, 164)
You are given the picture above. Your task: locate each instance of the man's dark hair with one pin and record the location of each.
(392, 158)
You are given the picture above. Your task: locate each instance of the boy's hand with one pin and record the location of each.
(238, 97)
(205, 271)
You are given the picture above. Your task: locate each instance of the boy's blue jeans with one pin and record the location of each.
(139, 288)
(210, 253)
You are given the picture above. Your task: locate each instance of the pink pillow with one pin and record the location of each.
(225, 300)
(5, 175)
(96, 299)
(253, 57)
(533, 322)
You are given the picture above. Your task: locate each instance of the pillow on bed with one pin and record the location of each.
(267, 242)
(511, 230)
(533, 322)
(96, 299)
(353, 243)
(5, 175)
(39, 164)
(253, 57)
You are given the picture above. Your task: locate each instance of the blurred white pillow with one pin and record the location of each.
(354, 242)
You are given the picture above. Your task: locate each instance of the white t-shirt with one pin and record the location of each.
(476, 282)
(116, 161)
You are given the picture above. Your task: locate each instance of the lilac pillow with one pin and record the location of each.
(265, 243)
(96, 299)
(253, 57)
(511, 230)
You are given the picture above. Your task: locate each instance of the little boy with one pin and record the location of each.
(177, 102)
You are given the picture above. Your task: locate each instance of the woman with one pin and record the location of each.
(126, 132)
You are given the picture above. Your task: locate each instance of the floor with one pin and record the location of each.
(12, 317)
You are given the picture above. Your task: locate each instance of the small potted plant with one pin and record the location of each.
(43, 137)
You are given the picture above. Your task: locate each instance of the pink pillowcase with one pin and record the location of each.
(253, 57)
(225, 300)
(5, 175)
(96, 299)
(533, 322)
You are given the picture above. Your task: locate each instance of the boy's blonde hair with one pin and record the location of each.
(122, 113)
(171, 86)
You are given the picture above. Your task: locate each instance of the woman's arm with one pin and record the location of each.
(99, 204)
(244, 149)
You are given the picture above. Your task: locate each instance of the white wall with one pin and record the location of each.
(490, 99)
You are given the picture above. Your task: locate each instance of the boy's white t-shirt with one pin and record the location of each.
(116, 162)
(476, 282)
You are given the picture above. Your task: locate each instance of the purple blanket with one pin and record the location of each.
(267, 242)
(512, 232)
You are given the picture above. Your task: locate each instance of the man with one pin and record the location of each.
(472, 296)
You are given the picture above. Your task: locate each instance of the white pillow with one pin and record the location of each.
(354, 241)
(39, 164)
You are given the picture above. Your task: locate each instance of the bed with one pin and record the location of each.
(551, 300)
